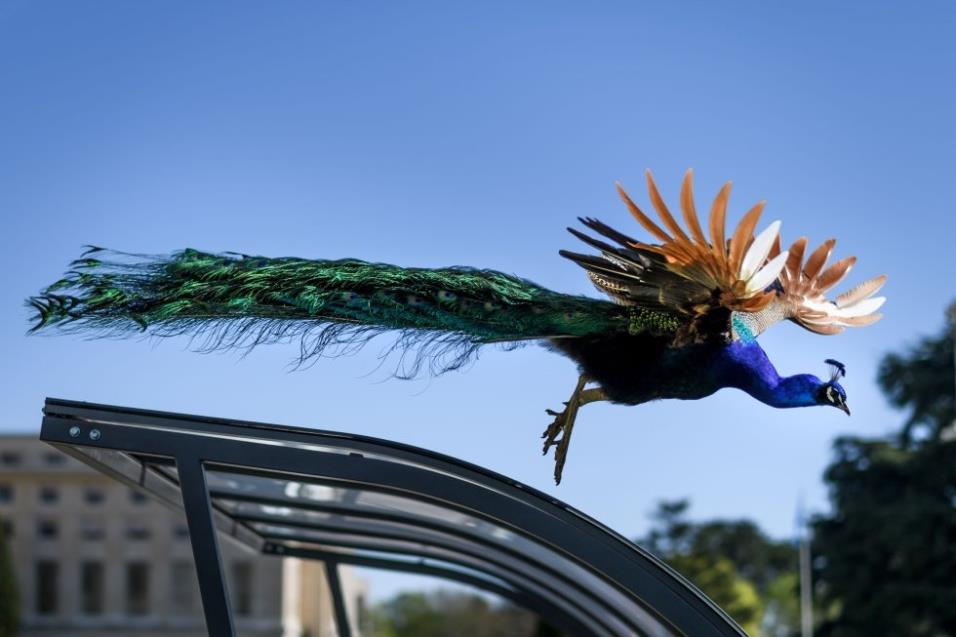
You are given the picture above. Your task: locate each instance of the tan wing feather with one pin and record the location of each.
(834, 274)
(679, 236)
(818, 259)
(797, 251)
(690, 210)
(804, 287)
(742, 236)
(643, 219)
(718, 222)
(861, 291)
(711, 264)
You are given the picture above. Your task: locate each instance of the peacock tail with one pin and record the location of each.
(332, 307)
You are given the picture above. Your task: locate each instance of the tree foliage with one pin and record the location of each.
(444, 613)
(920, 380)
(886, 555)
(743, 571)
(888, 552)
(9, 601)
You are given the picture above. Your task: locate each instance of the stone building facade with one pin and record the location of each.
(93, 558)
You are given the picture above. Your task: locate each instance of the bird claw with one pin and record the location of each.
(561, 426)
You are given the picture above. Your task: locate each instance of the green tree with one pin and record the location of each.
(445, 613)
(733, 562)
(920, 380)
(9, 600)
(886, 555)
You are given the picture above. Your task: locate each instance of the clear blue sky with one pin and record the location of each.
(443, 133)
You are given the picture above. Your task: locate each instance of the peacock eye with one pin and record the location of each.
(830, 395)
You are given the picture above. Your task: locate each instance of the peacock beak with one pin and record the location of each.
(845, 408)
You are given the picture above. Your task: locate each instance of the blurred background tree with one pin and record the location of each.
(886, 554)
(446, 613)
(749, 575)
(9, 600)
(921, 381)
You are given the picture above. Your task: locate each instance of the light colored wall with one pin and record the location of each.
(116, 514)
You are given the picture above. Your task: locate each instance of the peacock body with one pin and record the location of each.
(681, 321)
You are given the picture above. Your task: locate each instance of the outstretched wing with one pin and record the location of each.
(685, 272)
(804, 287)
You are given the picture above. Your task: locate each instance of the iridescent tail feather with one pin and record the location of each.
(332, 307)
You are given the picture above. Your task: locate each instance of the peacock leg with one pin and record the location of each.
(563, 423)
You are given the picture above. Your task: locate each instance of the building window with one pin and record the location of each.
(137, 497)
(49, 495)
(54, 458)
(94, 496)
(137, 532)
(10, 458)
(47, 574)
(6, 493)
(91, 529)
(241, 587)
(91, 587)
(182, 595)
(137, 588)
(47, 529)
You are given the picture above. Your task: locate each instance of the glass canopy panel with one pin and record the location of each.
(133, 470)
(409, 540)
(523, 579)
(311, 503)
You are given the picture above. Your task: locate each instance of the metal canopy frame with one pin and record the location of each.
(347, 499)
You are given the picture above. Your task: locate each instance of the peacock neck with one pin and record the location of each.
(746, 366)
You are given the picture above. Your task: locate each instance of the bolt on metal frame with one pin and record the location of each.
(346, 499)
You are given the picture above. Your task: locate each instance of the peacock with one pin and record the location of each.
(681, 318)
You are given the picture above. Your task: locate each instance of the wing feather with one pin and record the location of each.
(758, 251)
(862, 291)
(718, 220)
(834, 274)
(795, 259)
(818, 259)
(804, 292)
(643, 219)
(690, 210)
(698, 275)
(689, 274)
(744, 233)
(679, 236)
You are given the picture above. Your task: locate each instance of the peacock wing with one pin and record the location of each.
(803, 287)
(685, 273)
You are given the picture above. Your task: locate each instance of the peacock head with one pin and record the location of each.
(831, 392)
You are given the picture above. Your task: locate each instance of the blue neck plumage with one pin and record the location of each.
(745, 365)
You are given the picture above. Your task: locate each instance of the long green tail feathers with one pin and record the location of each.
(234, 301)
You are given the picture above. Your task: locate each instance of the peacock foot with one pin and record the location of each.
(550, 434)
(563, 424)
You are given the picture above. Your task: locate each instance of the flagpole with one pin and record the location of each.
(802, 541)
(806, 587)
